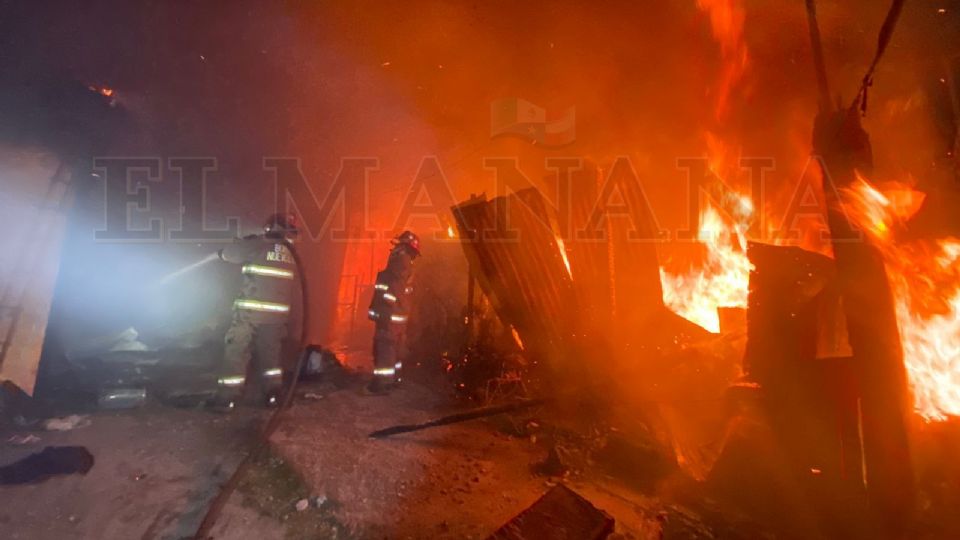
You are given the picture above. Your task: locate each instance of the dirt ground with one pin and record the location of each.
(155, 471)
(457, 481)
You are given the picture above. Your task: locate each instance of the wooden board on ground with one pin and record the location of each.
(560, 513)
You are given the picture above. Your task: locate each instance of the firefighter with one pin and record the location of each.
(260, 312)
(389, 310)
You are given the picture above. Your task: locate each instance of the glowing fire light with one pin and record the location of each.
(563, 255)
(925, 281)
(878, 211)
(931, 333)
(726, 22)
(722, 281)
(102, 90)
(516, 338)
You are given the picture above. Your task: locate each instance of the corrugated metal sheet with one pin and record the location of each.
(512, 244)
(590, 258)
(514, 253)
(638, 293)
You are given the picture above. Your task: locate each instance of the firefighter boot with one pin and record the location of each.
(378, 386)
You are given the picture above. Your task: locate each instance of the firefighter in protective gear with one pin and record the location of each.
(260, 312)
(389, 310)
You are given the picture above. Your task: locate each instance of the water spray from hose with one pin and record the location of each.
(188, 268)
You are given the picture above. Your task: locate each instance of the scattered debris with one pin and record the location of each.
(313, 396)
(67, 423)
(319, 362)
(127, 340)
(640, 463)
(302, 505)
(680, 522)
(553, 465)
(561, 513)
(51, 461)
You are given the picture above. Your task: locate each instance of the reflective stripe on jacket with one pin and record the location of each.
(269, 277)
(392, 289)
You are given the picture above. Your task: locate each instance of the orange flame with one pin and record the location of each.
(104, 91)
(925, 282)
(878, 212)
(726, 23)
(723, 280)
(926, 286)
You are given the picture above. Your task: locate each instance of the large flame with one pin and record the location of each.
(925, 281)
(726, 23)
(722, 281)
(879, 211)
(926, 284)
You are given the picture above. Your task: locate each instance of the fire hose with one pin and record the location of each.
(260, 444)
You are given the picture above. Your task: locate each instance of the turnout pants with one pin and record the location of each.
(386, 351)
(252, 348)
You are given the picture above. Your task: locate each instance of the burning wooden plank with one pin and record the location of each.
(808, 390)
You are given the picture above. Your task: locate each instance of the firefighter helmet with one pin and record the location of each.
(409, 239)
(281, 223)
